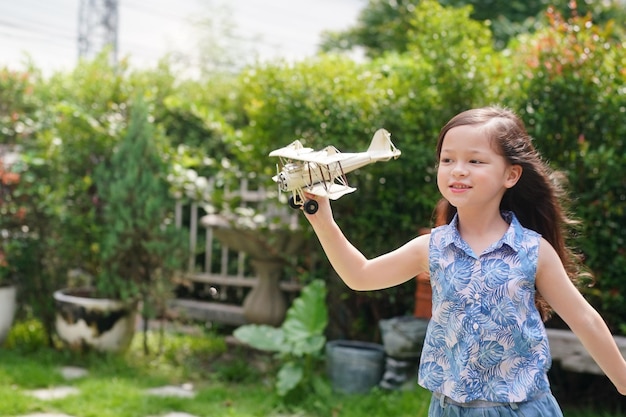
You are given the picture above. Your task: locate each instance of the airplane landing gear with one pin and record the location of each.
(294, 202)
(309, 206)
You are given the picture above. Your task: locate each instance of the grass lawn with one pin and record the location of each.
(228, 381)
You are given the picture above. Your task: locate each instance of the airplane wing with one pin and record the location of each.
(330, 189)
(292, 151)
(326, 156)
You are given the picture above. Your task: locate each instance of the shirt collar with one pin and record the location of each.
(512, 237)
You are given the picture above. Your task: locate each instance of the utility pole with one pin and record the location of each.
(97, 28)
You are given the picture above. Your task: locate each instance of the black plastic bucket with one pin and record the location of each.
(354, 367)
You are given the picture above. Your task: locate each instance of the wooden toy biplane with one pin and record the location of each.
(324, 172)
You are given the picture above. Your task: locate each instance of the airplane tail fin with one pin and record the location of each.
(382, 146)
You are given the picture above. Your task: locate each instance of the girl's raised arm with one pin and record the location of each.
(557, 289)
(358, 272)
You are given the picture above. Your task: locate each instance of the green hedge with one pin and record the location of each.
(571, 91)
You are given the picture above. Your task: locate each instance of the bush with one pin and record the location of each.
(28, 336)
(570, 92)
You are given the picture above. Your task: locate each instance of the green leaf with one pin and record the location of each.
(289, 376)
(306, 319)
(261, 336)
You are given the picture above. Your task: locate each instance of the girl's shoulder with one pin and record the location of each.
(443, 235)
(522, 234)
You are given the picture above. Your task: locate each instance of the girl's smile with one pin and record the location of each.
(459, 187)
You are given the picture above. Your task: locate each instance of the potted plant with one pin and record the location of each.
(139, 246)
(29, 235)
(8, 290)
(7, 298)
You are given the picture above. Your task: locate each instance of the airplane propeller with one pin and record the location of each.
(280, 192)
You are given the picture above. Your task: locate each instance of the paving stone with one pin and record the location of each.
(184, 391)
(73, 372)
(53, 393)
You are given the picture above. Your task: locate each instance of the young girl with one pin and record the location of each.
(495, 267)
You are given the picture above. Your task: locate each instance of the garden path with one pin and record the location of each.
(70, 372)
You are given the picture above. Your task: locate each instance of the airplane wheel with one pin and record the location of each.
(311, 206)
(293, 203)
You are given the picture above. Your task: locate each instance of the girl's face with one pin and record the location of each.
(471, 173)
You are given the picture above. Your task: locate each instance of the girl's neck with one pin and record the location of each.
(481, 229)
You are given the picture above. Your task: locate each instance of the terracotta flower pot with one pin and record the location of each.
(423, 297)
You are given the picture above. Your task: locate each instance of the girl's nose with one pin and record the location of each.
(459, 170)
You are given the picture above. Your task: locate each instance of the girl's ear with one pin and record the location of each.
(513, 175)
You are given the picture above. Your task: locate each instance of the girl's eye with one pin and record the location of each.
(475, 161)
(445, 160)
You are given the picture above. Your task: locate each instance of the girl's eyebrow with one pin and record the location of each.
(471, 151)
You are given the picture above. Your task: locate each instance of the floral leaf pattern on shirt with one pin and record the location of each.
(495, 273)
(486, 339)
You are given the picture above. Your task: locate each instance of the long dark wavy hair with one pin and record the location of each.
(538, 199)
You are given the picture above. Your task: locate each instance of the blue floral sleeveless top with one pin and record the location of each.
(486, 340)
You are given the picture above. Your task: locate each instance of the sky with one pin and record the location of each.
(46, 31)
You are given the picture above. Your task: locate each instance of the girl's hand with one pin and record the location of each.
(324, 214)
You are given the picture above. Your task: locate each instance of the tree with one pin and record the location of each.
(141, 246)
(218, 48)
(569, 87)
(382, 26)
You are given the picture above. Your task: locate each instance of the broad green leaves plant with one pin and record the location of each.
(298, 343)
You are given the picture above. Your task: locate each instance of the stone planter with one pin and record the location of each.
(268, 251)
(354, 367)
(85, 322)
(265, 304)
(7, 309)
(566, 348)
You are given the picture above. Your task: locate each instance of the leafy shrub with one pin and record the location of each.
(139, 244)
(28, 335)
(571, 92)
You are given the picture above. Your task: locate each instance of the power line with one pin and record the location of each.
(36, 27)
(140, 7)
(35, 38)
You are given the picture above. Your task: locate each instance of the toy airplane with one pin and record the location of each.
(324, 172)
